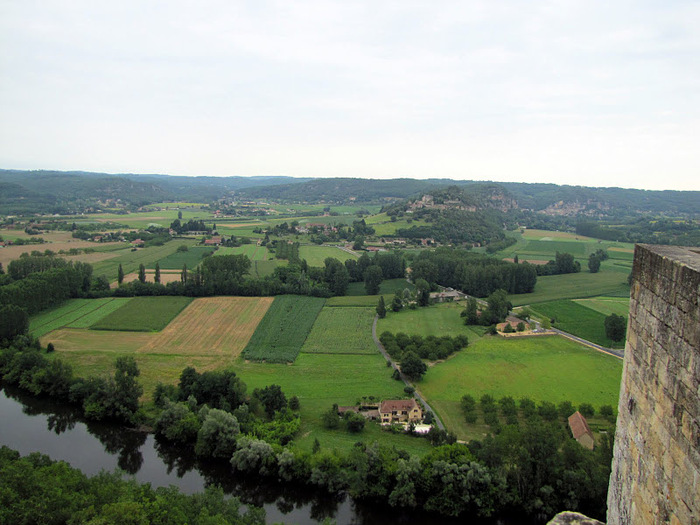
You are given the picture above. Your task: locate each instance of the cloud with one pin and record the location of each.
(549, 90)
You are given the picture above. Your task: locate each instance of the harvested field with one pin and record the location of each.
(10, 253)
(91, 257)
(166, 276)
(531, 261)
(207, 335)
(213, 326)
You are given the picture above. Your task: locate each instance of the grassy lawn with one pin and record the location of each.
(282, 332)
(543, 368)
(342, 331)
(577, 319)
(315, 255)
(175, 261)
(74, 313)
(607, 305)
(319, 380)
(437, 320)
(610, 281)
(143, 314)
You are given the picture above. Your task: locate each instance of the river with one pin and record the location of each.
(29, 424)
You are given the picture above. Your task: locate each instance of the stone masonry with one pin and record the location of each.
(656, 465)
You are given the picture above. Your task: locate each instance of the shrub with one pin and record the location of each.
(587, 410)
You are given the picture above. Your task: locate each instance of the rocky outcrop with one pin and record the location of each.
(573, 518)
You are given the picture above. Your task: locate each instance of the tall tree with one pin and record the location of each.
(397, 302)
(183, 274)
(381, 308)
(142, 273)
(423, 292)
(470, 312)
(120, 274)
(615, 326)
(373, 279)
(157, 276)
(594, 263)
(412, 365)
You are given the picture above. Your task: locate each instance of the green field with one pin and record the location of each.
(607, 305)
(143, 314)
(315, 255)
(282, 332)
(577, 319)
(264, 268)
(609, 281)
(388, 287)
(175, 261)
(74, 313)
(342, 331)
(320, 380)
(252, 251)
(547, 368)
(437, 320)
(130, 260)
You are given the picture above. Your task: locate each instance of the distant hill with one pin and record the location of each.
(60, 192)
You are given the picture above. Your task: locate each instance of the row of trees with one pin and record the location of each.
(562, 263)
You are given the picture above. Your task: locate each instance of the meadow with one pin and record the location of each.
(74, 313)
(130, 260)
(437, 320)
(388, 287)
(252, 251)
(282, 332)
(609, 281)
(143, 314)
(577, 319)
(607, 305)
(547, 368)
(315, 255)
(342, 331)
(175, 261)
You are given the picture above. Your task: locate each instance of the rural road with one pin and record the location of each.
(420, 398)
(617, 353)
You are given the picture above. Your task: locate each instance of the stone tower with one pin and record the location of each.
(656, 465)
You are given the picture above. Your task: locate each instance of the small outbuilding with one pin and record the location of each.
(581, 431)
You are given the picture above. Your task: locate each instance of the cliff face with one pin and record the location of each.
(656, 465)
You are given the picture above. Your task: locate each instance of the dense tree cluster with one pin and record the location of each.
(615, 327)
(36, 489)
(562, 263)
(477, 275)
(429, 347)
(191, 225)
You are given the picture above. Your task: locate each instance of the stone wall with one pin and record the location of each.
(656, 465)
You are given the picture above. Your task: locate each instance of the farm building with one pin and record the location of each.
(399, 410)
(510, 320)
(214, 241)
(581, 431)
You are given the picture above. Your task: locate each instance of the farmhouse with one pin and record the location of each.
(398, 410)
(510, 320)
(138, 242)
(581, 431)
(214, 241)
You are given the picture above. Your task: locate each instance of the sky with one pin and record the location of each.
(593, 93)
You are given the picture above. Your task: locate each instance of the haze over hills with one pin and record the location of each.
(62, 192)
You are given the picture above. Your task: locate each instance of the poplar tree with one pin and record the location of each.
(120, 274)
(157, 276)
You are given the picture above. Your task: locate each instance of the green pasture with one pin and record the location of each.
(252, 251)
(342, 331)
(437, 320)
(143, 314)
(388, 287)
(607, 305)
(175, 261)
(357, 300)
(320, 380)
(383, 226)
(315, 255)
(163, 218)
(282, 332)
(577, 319)
(74, 313)
(264, 268)
(545, 368)
(130, 260)
(609, 281)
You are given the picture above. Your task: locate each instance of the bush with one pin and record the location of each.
(587, 410)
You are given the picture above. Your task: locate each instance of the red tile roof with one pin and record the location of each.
(579, 425)
(398, 405)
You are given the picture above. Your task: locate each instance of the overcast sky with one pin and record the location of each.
(572, 92)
